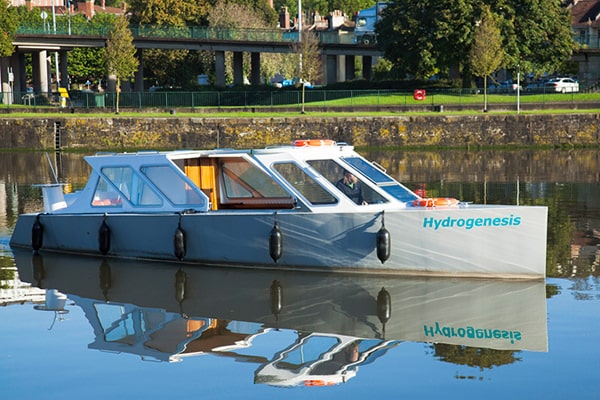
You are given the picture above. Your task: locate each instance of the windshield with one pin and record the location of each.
(381, 179)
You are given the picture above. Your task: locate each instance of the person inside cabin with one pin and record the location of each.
(350, 186)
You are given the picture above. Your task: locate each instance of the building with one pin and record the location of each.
(585, 16)
(61, 7)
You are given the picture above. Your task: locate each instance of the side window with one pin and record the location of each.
(335, 173)
(381, 179)
(129, 186)
(173, 185)
(105, 195)
(241, 179)
(310, 189)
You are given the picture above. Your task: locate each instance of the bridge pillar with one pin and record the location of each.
(4, 86)
(238, 68)
(219, 68)
(138, 78)
(18, 65)
(63, 64)
(341, 69)
(349, 68)
(39, 67)
(255, 68)
(331, 69)
(367, 64)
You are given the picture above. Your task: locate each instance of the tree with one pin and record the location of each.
(349, 7)
(542, 37)
(168, 12)
(170, 67)
(87, 64)
(487, 53)
(120, 57)
(427, 37)
(262, 13)
(8, 28)
(307, 59)
(423, 38)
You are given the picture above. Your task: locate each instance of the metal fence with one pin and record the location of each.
(318, 98)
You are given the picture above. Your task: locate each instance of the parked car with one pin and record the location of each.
(510, 85)
(504, 87)
(563, 85)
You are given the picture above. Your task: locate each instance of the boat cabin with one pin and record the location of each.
(276, 178)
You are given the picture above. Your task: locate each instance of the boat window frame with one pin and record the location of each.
(99, 201)
(121, 195)
(391, 186)
(313, 178)
(370, 195)
(183, 178)
(257, 199)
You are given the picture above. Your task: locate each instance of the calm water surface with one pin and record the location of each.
(73, 327)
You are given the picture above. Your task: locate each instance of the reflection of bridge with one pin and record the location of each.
(337, 50)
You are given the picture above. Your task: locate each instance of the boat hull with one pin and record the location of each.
(504, 241)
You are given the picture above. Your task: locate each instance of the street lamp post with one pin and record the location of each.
(56, 52)
(300, 78)
(518, 89)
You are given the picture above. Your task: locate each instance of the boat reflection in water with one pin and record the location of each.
(335, 322)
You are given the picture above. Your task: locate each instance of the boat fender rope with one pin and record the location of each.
(104, 236)
(179, 241)
(37, 234)
(383, 242)
(276, 241)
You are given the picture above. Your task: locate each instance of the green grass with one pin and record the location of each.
(550, 103)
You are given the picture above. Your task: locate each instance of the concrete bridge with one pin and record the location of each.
(337, 50)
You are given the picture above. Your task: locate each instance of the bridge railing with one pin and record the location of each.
(190, 32)
(584, 41)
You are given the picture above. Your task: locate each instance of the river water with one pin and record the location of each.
(73, 327)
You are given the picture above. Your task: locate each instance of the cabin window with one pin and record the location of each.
(106, 195)
(304, 184)
(173, 186)
(381, 179)
(130, 186)
(334, 172)
(242, 179)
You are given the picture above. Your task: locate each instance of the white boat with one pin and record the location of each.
(280, 207)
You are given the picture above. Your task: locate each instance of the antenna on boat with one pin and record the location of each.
(52, 168)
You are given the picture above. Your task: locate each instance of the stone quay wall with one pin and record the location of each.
(179, 132)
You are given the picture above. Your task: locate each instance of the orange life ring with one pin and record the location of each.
(436, 202)
(314, 142)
